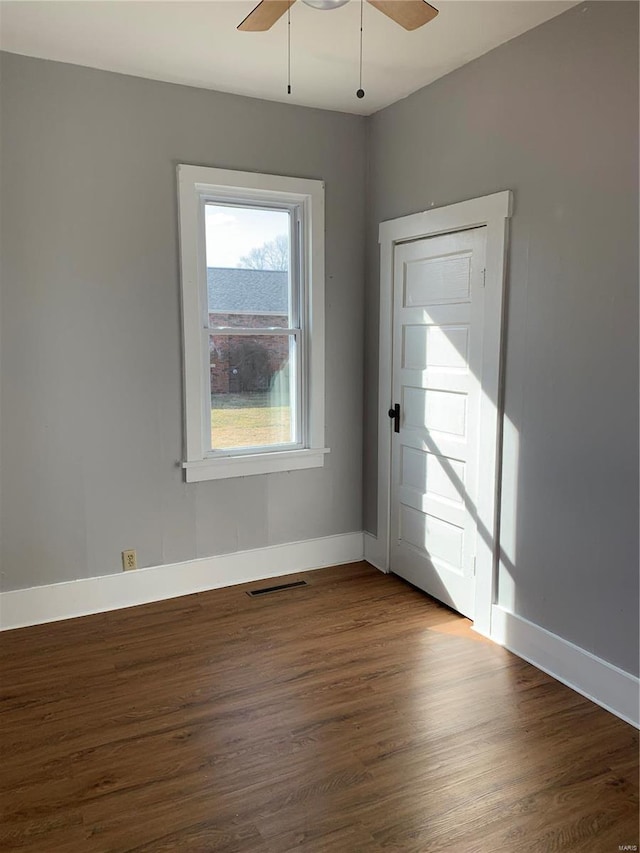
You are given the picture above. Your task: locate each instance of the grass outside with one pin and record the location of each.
(247, 420)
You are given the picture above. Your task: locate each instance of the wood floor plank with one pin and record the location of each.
(354, 714)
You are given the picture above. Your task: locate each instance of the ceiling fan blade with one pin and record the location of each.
(410, 14)
(264, 16)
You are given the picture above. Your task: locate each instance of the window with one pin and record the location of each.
(252, 256)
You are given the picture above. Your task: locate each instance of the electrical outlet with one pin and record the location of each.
(129, 560)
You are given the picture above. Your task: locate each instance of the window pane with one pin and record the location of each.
(252, 390)
(248, 256)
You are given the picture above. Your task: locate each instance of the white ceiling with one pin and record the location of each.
(197, 44)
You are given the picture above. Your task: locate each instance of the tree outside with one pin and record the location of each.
(273, 255)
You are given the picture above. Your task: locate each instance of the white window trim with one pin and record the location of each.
(194, 183)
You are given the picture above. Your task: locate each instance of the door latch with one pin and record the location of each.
(395, 414)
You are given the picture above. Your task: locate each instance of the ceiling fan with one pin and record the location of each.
(410, 14)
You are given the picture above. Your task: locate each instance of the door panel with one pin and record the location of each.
(433, 281)
(437, 356)
(425, 471)
(442, 539)
(435, 346)
(435, 409)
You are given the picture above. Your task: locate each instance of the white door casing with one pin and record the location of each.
(438, 308)
(492, 211)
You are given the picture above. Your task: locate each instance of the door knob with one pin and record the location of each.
(395, 414)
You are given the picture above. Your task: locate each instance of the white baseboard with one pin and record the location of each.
(373, 553)
(602, 682)
(50, 603)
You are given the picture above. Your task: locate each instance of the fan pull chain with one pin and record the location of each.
(289, 49)
(360, 92)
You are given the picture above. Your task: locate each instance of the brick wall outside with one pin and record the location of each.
(245, 364)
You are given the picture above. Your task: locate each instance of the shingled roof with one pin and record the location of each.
(238, 291)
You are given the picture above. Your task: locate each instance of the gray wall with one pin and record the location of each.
(91, 347)
(553, 116)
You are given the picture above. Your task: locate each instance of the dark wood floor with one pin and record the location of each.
(352, 715)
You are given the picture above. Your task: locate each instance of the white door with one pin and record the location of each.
(438, 294)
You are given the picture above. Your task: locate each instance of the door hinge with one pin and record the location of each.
(484, 277)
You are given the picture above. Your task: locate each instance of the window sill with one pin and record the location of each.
(254, 463)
